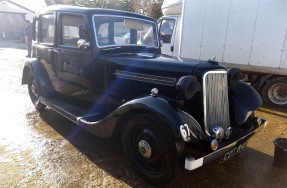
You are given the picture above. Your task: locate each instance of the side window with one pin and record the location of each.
(35, 30)
(166, 30)
(73, 28)
(47, 28)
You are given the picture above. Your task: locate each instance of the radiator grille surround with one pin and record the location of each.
(215, 100)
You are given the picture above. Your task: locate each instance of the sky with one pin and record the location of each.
(35, 5)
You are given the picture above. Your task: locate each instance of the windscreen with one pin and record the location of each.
(119, 31)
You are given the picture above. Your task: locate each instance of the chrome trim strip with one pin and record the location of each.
(205, 97)
(146, 78)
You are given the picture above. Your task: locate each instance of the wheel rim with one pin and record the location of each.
(34, 89)
(148, 150)
(34, 92)
(278, 93)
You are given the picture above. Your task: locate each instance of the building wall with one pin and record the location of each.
(11, 26)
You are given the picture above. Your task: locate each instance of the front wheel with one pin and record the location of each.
(150, 148)
(35, 92)
(274, 92)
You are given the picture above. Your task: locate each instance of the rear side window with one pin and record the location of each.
(35, 29)
(47, 28)
(73, 28)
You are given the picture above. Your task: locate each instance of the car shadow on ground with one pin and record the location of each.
(107, 154)
(251, 168)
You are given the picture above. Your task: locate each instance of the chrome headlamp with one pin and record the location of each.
(187, 86)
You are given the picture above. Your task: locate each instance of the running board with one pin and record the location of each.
(96, 123)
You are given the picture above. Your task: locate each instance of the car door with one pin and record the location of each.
(72, 62)
(44, 45)
(167, 35)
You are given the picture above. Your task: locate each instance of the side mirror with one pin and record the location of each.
(82, 44)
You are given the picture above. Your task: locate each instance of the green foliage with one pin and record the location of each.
(128, 5)
(96, 3)
(155, 9)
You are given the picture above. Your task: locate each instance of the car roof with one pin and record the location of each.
(86, 10)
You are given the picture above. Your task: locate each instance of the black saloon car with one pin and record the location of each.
(103, 70)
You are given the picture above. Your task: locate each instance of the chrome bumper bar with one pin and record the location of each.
(191, 163)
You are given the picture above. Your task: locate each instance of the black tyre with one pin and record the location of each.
(274, 92)
(35, 92)
(150, 148)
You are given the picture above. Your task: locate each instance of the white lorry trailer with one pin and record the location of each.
(247, 34)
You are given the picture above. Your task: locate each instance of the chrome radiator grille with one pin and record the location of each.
(215, 98)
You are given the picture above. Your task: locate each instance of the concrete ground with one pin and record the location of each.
(46, 150)
(15, 44)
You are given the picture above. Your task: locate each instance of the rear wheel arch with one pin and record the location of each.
(35, 91)
(37, 79)
(35, 67)
(27, 73)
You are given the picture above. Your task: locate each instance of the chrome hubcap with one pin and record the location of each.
(145, 149)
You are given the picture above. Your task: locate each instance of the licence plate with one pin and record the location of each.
(237, 149)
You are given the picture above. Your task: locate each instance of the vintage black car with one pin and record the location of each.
(103, 70)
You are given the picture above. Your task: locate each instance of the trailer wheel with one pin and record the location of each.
(35, 92)
(149, 146)
(274, 92)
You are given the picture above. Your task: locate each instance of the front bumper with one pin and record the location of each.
(191, 163)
